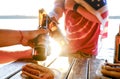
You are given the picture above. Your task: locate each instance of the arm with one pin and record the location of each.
(9, 37)
(8, 56)
(69, 4)
(14, 37)
(58, 9)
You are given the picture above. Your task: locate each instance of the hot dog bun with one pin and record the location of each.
(35, 71)
(111, 70)
(112, 74)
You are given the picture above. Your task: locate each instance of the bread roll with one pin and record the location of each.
(35, 71)
(112, 74)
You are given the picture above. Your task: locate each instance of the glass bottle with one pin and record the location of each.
(117, 47)
(40, 50)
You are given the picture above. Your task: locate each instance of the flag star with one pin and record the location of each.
(98, 5)
(104, 1)
(92, 0)
(98, 0)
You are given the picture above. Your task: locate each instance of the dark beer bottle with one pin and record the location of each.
(41, 48)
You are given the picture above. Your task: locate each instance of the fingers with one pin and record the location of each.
(40, 39)
(54, 20)
(42, 31)
(53, 24)
(29, 36)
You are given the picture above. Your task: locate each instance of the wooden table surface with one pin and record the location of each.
(77, 69)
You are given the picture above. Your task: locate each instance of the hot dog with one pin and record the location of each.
(35, 71)
(113, 64)
(111, 70)
(112, 74)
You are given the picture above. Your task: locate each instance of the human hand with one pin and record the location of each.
(29, 36)
(53, 24)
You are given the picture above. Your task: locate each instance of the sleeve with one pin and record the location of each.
(58, 9)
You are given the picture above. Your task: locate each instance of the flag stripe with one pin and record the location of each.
(99, 9)
(106, 24)
(104, 15)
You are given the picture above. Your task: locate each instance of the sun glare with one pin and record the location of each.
(55, 48)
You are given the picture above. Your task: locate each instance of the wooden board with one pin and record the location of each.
(79, 69)
(10, 69)
(61, 66)
(95, 69)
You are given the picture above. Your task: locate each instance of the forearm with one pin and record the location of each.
(87, 14)
(8, 56)
(14, 37)
(69, 4)
(58, 9)
(9, 37)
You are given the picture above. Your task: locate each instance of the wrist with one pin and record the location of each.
(23, 40)
(24, 37)
(21, 37)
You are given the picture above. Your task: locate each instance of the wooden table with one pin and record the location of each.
(77, 69)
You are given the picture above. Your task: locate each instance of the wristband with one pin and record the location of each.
(21, 36)
(75, 7)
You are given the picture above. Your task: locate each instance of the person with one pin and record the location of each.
(82, 26)
(14, 37)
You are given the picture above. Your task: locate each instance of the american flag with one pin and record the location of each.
(100, 10)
